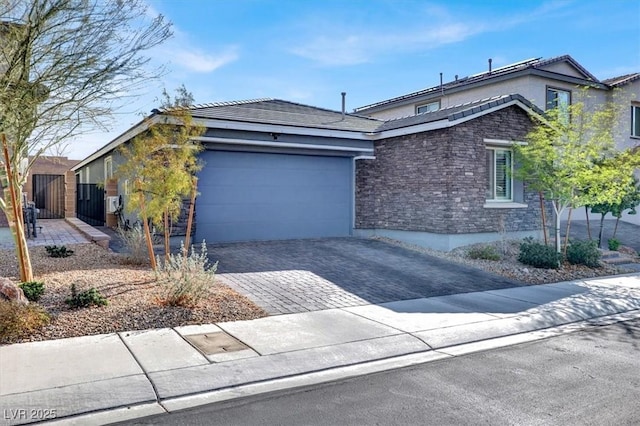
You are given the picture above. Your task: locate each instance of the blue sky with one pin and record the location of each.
(308, 51)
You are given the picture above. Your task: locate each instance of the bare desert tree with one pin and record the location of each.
(64, 65)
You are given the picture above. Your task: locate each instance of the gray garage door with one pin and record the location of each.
(256, 196)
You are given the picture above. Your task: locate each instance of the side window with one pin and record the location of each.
(635, 120)
(499, 174)
(561, 99)
(430, 107)
(79, 188)
(108, 168)
(87, 179)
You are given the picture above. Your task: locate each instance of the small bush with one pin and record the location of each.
(484, 252)
(583, 253)
(136, 244)
(614, 244)
(185, 280)
(91, 297)
(538, 255)
(18, 320)
(58, 251)
(32, 290)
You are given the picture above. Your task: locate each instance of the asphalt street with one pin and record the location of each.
(590, 377)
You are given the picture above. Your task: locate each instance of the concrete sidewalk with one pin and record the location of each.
(114, 377)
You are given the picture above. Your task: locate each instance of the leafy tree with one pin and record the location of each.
(63, 66)
(162, 163)
(570, 156)
(629, 203)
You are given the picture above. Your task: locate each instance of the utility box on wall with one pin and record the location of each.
(113, 202)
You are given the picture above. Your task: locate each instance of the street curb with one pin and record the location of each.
(339, 373)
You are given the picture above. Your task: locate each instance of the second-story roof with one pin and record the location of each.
(528, 66)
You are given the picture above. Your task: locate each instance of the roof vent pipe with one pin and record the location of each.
(441, 86)
(344, 94)
(456, 77)
(490, 60)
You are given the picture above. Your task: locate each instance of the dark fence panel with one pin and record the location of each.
(90, 204)
(48, 195)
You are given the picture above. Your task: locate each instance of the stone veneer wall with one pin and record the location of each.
(435, 181)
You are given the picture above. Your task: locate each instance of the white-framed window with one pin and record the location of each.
(430, 107)
(125, 187)
(87, 179)
(499, 174)
(78, 185)
(108, 168)
(635, 120)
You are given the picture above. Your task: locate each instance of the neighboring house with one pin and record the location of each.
(51, 187)
(544, 82)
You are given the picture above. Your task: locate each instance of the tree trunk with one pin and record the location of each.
(544, 218)
(558, 212)
(194, 187)
(600, 231)
(586, 211)
(13, 211)
(566, 237)
(147, 231)
(167, 231)
(615, 228)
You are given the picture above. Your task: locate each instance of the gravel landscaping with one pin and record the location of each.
(509, 266)
(130, 290)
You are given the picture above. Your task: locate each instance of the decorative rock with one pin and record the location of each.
(11, 292)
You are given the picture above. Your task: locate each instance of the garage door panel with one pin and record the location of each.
(258, 196)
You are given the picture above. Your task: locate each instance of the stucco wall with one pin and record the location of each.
(435, 181)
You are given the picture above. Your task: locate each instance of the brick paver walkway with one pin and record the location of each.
(307, 275)
(54, 232)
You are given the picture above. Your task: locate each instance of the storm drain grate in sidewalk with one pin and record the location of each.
(215, 343)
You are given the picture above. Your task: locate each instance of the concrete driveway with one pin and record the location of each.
(308, 275)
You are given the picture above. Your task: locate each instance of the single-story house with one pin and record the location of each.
(281, 170)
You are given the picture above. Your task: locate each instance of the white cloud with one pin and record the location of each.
(196, 60)
(351, 44)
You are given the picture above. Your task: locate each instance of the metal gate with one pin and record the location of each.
(48, 195)
(90, 204)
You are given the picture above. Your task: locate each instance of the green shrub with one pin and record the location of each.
(484, 252)
(538, 255)
(583, 252)
(17, 320)
(58, 251)
(32, 290)
(91, 297)
(185, 280)
(614, 244)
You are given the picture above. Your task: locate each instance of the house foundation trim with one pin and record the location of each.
(443, 242)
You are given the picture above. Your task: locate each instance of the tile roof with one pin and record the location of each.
(622, 80)
(276, 111)
(456, 112)
(534, 63)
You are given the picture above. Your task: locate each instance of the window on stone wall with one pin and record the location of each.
(499, 176)
(635, 120)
